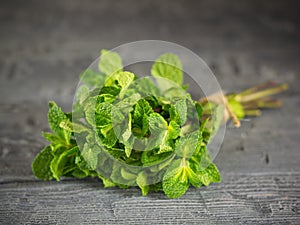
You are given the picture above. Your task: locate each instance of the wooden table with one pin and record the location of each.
(45, 45)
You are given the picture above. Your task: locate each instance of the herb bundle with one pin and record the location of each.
(145, 132)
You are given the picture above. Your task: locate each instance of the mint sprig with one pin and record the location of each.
(150, 124)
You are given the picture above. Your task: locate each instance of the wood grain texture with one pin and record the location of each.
(239, 199)
(44, 46)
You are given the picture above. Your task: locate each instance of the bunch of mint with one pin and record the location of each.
(131, 131)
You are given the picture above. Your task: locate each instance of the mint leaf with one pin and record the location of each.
(60, 162)
(140, 117)
(106, 182)
(110, 62)
(141, 181)
(126, 104)
(53, 138)
(82, 94)
(73, 127)
(178, 111)
(175, 182)
(187, 145)
(156, 187)
(124, 134)
(159, 133)
(193, 177)
(128, 150)
(55, 117)
(106, 118)
(85, 169)
(90, 155)
(150, 158)
(209, 174)
(41, 164)
(92, 78)
(168, 66)
(120, 175)
(157, 124)
(107, 113)
(146, 87)
(111, 90)
(123, 79)
(173, 130)
(217, 117)
(106, 137)
(127, 175)
(162, 133)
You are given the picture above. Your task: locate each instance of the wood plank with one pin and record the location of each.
(42, 52)
(239, 199)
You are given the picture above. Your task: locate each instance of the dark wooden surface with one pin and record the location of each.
(45, 45)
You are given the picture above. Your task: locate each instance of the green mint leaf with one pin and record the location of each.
(150, 158)
(110, 62)
(209, 174)
(73, 127)
(106, 98)
(120, 175)
(199, 109)
(162, 134)
(146, 87)
(159, 133)
(126, 104)
(168, 66)
(53, 138)
(82, 94)
(157, 124)
(82, 169)
(175, 181)
(140, 117)
(173, 130)
(128, 151)
(85, 169)
(41, 164)
(178, 111)
(187, 145)
(77, 173)
(92, 78)
(117, 153)
(90, 155)
(194, 179)
(124, 134)
(141, 181)
(216, 120)
(107, 183)
(123, 79)
(106, 118)
(111, 90)
(106, 137)
(106, 114)
(170, 89)
(156, 187)
(166, 144)
(55, 117)
(200, 159)
(60, 162)
(90, 117)
(89, 108)
(127, 175)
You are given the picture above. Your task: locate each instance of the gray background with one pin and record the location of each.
(44, 45)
